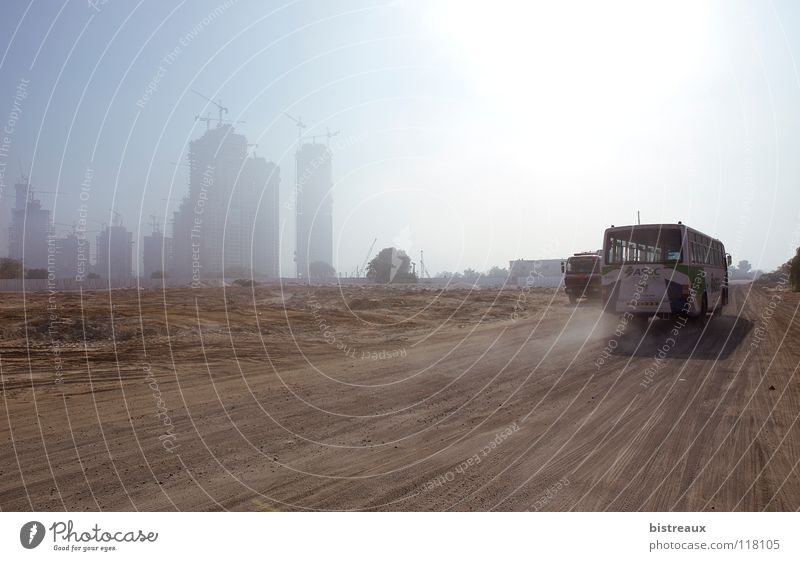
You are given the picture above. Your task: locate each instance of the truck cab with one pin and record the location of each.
(583, 276)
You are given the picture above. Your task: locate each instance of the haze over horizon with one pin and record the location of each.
(477, 135)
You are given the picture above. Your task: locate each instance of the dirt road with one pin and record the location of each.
(394, 399)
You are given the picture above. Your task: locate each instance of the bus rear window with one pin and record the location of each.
(643, 245)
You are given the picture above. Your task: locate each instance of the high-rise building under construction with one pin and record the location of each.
(260, 182)
(156, 254)
(115, 252)
(30, 229)
(72, 256)
(228, 222)
(314, 207)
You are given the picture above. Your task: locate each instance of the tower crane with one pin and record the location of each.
(423, 270)
(32, 193)
(300, 126)
(74, 227)
(327, 136)
(220, 108)
(117, 217)
(208, 121)
(155, 223)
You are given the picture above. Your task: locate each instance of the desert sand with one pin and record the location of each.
(393, 398)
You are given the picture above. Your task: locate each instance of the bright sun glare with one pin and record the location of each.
(561, 68)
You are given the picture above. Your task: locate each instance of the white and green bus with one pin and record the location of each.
(664, 269)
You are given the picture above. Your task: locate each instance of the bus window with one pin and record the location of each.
(704, 249)
(644, 245)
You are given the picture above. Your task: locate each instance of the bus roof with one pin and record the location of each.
(663, 227)
(597, 253)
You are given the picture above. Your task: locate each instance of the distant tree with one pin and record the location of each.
(159, 275)
(35, 273)
(470, 273)
(497, 272)
(779, 275)
(321, 270)
(390, 265)
(794, 271)
(742, 271)
(10, 268)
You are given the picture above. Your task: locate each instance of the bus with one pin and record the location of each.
(657, 270)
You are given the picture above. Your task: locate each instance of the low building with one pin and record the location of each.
(536, 272)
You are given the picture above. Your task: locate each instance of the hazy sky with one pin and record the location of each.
(476, 131)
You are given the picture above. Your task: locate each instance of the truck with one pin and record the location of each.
(583, 276)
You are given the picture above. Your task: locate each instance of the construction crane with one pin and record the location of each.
(208, 121)
(220, 108)
(366, 259)
(327, 136)
(74, 227)
(300, 126)
(117, 217)
(155, 223)
(33, 192)
(103, 224)
(423, 270)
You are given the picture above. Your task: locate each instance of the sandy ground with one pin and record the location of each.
(376, 398)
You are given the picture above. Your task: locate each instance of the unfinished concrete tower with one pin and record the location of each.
(224, 227)
(30, 228)
(314, 204)
(115, 251)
